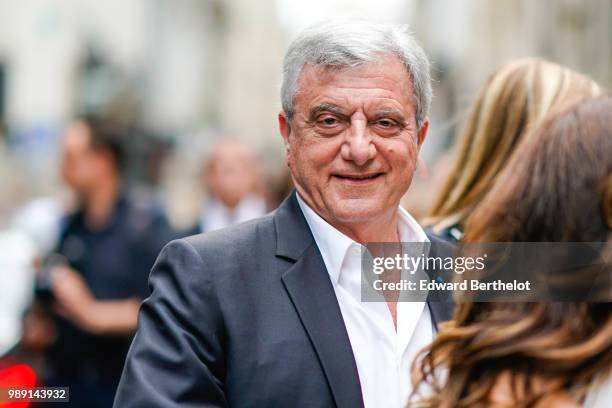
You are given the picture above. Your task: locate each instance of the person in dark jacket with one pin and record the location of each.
(100, 270)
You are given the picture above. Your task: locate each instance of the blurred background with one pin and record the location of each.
(182, 74)
(183, 77)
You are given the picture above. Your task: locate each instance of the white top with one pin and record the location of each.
(600, 396)
(217, 215)
(17, 277)
(383, 355)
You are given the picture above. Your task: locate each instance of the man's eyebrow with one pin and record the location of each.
(325, 107)
(390, 112)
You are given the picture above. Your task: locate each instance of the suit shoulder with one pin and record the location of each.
(248, 236)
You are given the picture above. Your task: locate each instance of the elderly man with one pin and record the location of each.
(268, 313)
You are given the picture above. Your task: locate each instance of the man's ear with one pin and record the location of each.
(283, 126)
(423, 132)
(285, 130)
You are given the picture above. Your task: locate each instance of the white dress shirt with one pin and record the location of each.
(383, 355)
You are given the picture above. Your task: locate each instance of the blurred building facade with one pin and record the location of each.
(187, 71)
(468, 39)
(175, 68)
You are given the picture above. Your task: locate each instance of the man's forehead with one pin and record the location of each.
(386, 65)
(378, 85)
(77, 136)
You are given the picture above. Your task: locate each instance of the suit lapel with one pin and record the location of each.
(310, 289)
(441, 310)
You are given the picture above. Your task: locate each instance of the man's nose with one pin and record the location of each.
(358, 146)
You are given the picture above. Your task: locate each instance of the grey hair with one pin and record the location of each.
(351, 43)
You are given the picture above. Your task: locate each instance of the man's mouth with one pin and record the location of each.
(364, 178)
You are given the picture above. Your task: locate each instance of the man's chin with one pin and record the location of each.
(357, 210)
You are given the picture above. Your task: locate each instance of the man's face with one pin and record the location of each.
(232, 173)
(79, 165)
(353, 142)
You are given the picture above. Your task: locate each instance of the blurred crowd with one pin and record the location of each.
(88, 255)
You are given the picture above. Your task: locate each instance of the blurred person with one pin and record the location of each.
(514, 99)
(17, 277)
(232, 178)
(268, 313)
(557, 187)
(31, 235)
(99, 274)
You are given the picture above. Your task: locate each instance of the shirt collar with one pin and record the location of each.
(334, 245)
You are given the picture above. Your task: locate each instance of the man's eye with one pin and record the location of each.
(328, 121)
(386, 123)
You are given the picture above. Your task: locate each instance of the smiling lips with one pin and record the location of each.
(358, 179)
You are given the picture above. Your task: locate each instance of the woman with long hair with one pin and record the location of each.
(557, 187)
(514, 99)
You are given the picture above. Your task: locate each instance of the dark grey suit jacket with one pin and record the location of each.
(244, 317)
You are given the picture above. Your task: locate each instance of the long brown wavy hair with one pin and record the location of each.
(557, 187)
(517, 97)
